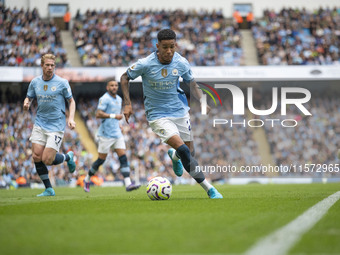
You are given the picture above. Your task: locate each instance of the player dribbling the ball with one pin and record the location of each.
(166, 111)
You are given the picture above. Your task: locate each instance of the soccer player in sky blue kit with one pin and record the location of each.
(51, 91)
(166, 111)
(110, 136)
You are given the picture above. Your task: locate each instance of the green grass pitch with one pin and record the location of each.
(112, 221)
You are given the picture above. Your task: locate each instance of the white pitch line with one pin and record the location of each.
(282, 240)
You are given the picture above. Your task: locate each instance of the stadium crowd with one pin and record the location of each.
(298, 37)
(117, 38)
(226, 144)
(222, 145)
(314, 140)
(24, 37)
(205, 38)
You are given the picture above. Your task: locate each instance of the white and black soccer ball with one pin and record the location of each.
(159, 188)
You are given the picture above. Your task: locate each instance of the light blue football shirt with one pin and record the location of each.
(162, 95)
(51, 97)
(110, 127)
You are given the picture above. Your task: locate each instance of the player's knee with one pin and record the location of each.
(37, 157)
(123, 161)
(184, 152)
(47, 160)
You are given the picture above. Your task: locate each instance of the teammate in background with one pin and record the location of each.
(109, 135)
(166, 111)
(50, 90)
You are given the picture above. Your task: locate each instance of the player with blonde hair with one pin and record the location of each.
(51, 91)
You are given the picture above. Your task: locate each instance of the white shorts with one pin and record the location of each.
(105, 143)
(165, 128)
(48, 139)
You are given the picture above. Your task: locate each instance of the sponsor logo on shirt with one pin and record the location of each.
(162, 85)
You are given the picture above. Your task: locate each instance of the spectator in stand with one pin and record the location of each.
(237, 17)
(67, 19)
(250, 19)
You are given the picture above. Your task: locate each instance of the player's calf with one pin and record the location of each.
(189, 163)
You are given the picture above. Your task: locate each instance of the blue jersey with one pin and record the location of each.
(110, 127)
(162, 95)
(51, 97)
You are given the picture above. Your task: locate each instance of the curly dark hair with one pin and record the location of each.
(166, 34)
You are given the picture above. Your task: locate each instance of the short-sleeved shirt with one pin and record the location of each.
(51, 96)
(110, 105)
(162, 95)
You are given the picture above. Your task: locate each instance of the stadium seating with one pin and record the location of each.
(298, 37)
(24, 37)
(315, 140)
(117, 38)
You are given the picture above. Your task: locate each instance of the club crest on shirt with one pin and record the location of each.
(162, 131)
(54, 88)
(45, 87)
(164, 73)
(175, 72)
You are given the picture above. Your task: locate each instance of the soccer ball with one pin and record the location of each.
(159, 188)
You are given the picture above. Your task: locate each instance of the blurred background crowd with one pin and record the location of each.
(205, 38)
(298, 37)
(222, 145)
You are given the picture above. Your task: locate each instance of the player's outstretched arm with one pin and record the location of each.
(72, 109)
(27, 103)
(124, 83)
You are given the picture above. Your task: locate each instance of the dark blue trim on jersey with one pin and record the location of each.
(186, 81)
(182, 96)
(127, 72)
